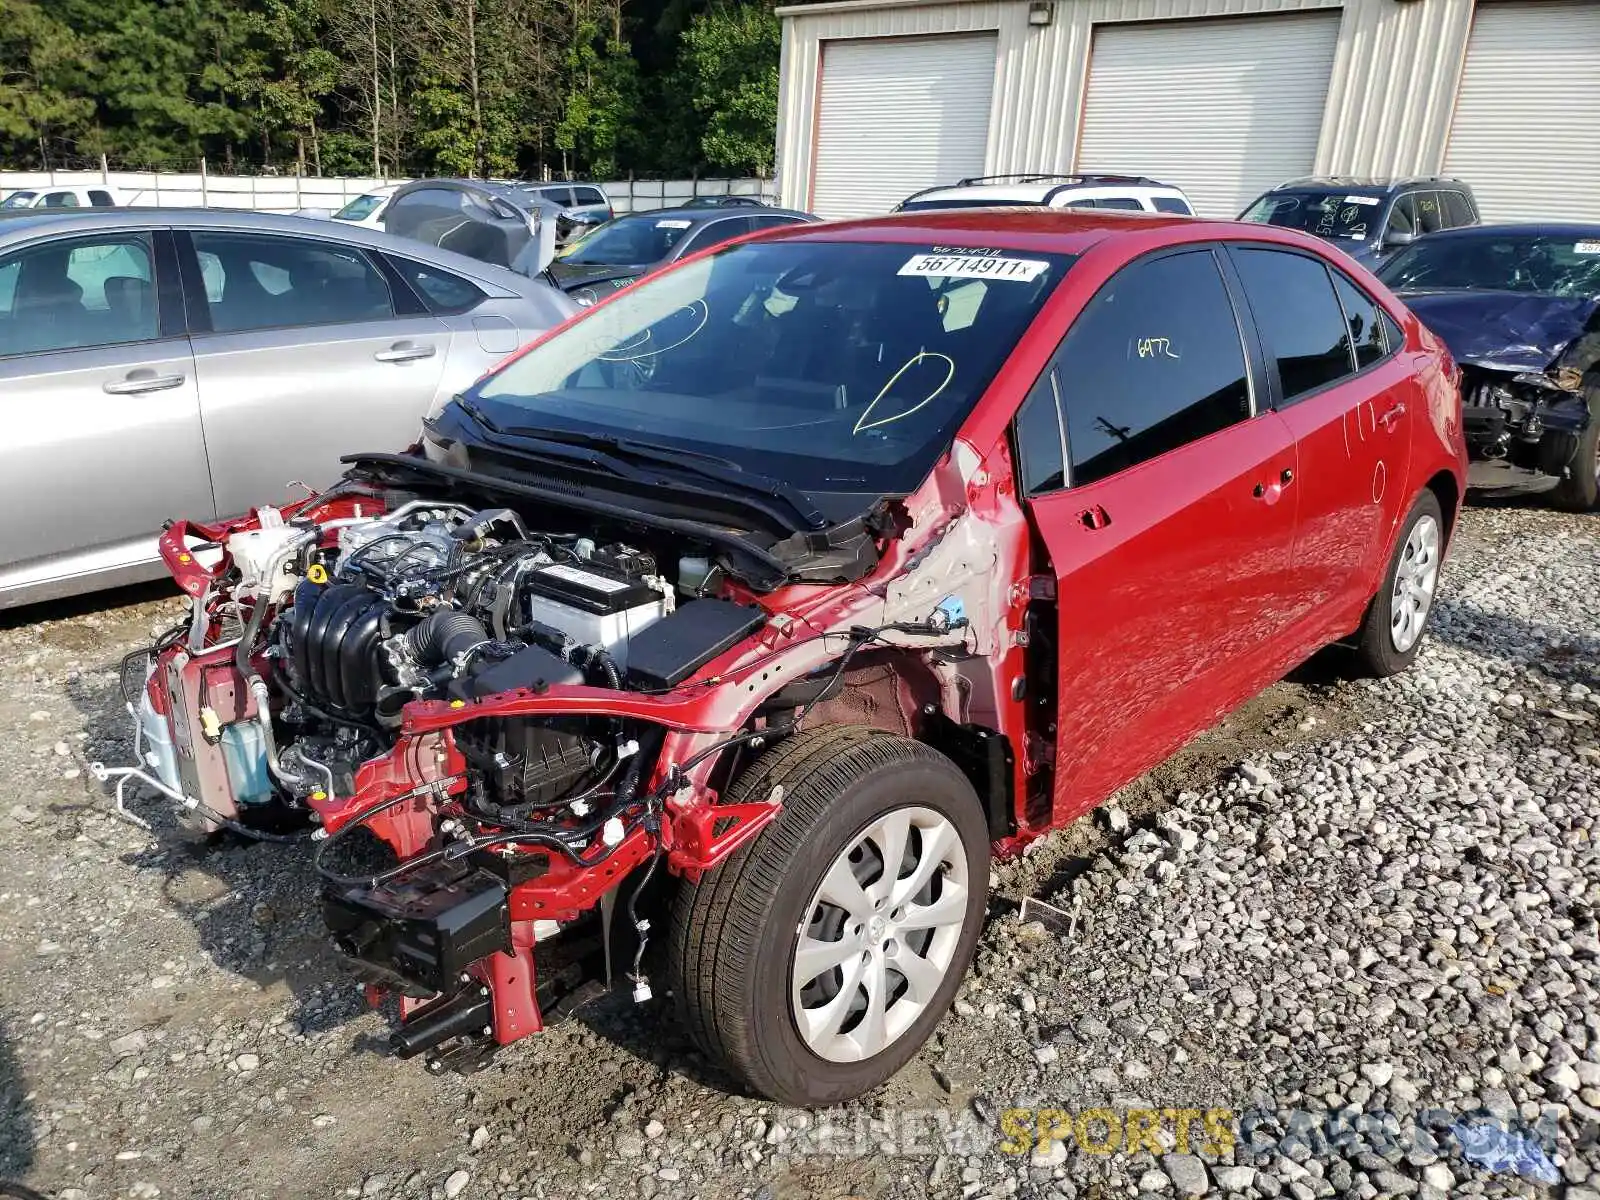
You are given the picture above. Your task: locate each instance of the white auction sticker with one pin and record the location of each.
(1587, 248)
(574, 575)
(1360, 199)
(673, 224)
(975, 266)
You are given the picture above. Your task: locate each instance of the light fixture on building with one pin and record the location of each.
(1041, 12)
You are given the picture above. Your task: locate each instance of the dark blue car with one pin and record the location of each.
(1369, 219)
(1519, 308)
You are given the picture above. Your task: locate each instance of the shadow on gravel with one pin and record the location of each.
(16, 1127)
(1559, 653)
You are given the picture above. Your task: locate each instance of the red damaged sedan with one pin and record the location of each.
(713, 645)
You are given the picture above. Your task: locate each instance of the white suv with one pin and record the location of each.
(1131, 192)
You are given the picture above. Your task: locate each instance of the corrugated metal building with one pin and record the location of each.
(1223, 98)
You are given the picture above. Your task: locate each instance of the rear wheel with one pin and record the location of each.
(1391, 634)
(1580, 490)
(817, 960)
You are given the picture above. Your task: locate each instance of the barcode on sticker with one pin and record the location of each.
(974, 266)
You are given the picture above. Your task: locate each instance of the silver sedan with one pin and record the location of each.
(162, 362)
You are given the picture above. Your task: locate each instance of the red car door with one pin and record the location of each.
(1167, 505)
(1345, 397)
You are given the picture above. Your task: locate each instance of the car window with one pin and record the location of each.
(1337, 216)
(1153, 362)
(1363, 318)
(1428, 215)
(714, 233)
(587, 195)
(1457, 210)
(61, 200)
(19, 200)
(101, 199)
(1041, 438)
(360, 208)
(1172, 204)
(1121, 202)
(1394, 338)
(1402, 217)
(771, 221)
(1298, 316)
(630, 241)
(84, 292)
(256, 281)
(1080, 202)
(444, 293)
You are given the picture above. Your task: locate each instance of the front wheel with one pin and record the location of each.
(1579, 491)
(817, 960)
(1391, 634)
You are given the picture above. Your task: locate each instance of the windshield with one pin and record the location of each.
(359, 209)
(975, 202)
(18, 200)
(1327, 214)
(1551, 266)
(628, 241)
(838, 367)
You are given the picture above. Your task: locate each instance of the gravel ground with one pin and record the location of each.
(1345, 945)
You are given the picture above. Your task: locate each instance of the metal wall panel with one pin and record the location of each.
(1390, 96)
(1526, 133)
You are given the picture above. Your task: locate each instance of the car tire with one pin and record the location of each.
(1391, 634)
(813, 883)
(1580, 490)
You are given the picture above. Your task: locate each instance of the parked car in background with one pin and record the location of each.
(584, 206)
(614, 255)
(367, 209)
(1519, 307)
(819, 567)
(729, 201)
(166, 361)
(1369, 219)
(1133, 193)
(93, 195)
(495, 222)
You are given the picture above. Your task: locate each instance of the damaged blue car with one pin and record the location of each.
(1519, 308)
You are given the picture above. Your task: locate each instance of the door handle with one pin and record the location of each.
(138, 382)
(1388, 419)
(402, 352)
(1095, 518)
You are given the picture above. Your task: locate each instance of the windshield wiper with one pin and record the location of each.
(613, 454)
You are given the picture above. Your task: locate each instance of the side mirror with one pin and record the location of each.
(1399, 237)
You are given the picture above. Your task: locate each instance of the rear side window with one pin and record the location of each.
(1172, 204)
(101, 199)
(445, 294)
(1422, 211)
(61, 200)
(1298, 315)
(1127, 203)
(587, 195)
(1153, 362)
(715, 233)
(1364, 319)
(1457, 210)
(259, 281)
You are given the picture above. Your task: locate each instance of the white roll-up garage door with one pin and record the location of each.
(1223, 109)
(898, 114)
(1526, 131)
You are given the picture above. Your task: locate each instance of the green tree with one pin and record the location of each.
(602, 100)
(730, 65)
(286, 73)
(35, 111)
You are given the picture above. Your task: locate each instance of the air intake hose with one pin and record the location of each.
(443, 635)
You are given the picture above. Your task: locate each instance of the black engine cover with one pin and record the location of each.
(334, 635)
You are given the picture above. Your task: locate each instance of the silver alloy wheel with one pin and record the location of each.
(1414, 581)
(877, 940)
